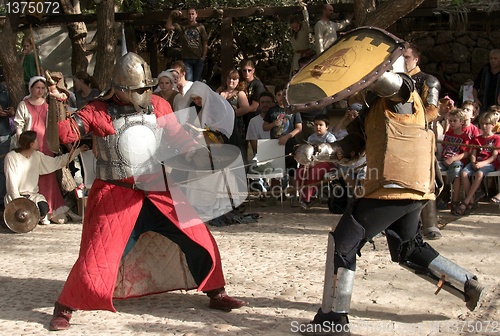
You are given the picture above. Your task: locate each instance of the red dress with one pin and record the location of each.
(110, 217)
(48, 185)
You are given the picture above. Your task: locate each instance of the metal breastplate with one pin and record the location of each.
(132, 150)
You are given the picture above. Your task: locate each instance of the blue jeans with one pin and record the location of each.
(194, 68)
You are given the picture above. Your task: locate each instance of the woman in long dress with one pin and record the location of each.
(31, 114)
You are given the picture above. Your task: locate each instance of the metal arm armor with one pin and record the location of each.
(79, 123)
(394, 86)
(430, 94)
(324, 152)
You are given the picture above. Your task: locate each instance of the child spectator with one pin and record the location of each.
(496, 110)
(483, 160)
(453, 156)
(308, 176)
(471, 109)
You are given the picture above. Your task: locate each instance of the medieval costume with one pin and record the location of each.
(116, 256)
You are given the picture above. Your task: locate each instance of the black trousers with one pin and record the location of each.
(400, 216)
(368, 217)
(151, 219)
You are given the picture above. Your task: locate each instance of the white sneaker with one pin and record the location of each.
(44, 221)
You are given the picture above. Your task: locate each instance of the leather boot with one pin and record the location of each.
(221, 301)
(61, 317)
(429, 219)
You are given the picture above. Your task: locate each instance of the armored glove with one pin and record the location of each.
(308, 154)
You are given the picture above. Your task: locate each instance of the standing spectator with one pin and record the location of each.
(6, 112)
(325, 31)
(29, 61)
(301, 45)
(284, 127)
(166, 83)
(31, 114)
(86, 88)
(194, 43)
(183, 85)
(253, 90)
(427, 87)
(487, 83)
(483, 160)
(234, 92)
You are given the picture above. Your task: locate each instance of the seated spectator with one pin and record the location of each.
(307, 177)
(86, 88)
(472, 110)
(24, 165)
(454, 154)
(483, 160)
(255, 130)
(168, 90)
(351, 113)
(254, 87)
(6, 113)
(440, 124)
(284, 127)
(233, 90)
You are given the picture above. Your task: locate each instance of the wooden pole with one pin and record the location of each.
(38, 70)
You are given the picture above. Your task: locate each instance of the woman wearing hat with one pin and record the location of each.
(167, 86)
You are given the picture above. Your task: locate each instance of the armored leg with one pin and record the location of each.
(429, 220)
(343, 244)
(427, 263)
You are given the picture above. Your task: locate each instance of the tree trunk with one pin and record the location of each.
(387, 12)
(9, 58)
(77, 33)
(106, 41)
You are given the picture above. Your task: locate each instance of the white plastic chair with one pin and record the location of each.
(269, 150)
(88, 163)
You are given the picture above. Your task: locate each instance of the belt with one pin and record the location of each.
(133, 186)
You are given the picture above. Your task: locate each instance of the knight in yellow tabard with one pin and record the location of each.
(400, 180)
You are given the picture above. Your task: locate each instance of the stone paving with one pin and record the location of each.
(277, 265)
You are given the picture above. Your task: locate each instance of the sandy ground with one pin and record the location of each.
(277, 266)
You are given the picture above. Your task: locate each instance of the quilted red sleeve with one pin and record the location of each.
(95, 119)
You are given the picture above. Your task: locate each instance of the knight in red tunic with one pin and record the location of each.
(136, 242)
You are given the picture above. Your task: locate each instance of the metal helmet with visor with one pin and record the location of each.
(133, 75)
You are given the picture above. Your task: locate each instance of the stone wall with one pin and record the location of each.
(463, 52)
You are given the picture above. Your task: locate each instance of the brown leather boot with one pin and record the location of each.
(61, 317)
(221, 301)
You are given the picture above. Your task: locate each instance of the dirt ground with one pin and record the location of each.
(276, 265)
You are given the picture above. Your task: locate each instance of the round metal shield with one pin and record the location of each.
(352, 63)
(21, 215)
